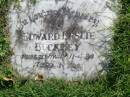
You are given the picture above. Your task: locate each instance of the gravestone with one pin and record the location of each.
(61, 38)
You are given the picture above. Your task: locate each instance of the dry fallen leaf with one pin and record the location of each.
(8, 79)
(39, 77)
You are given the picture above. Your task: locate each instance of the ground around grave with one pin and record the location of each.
(115, 84)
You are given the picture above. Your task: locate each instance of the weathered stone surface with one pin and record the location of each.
(61, 38)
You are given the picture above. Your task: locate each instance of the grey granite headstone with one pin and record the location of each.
(61, 38)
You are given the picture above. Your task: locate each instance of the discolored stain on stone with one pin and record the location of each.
(19, 37)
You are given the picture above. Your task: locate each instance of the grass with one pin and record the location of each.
(5, 51)
(62, 88)
(115, 84)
